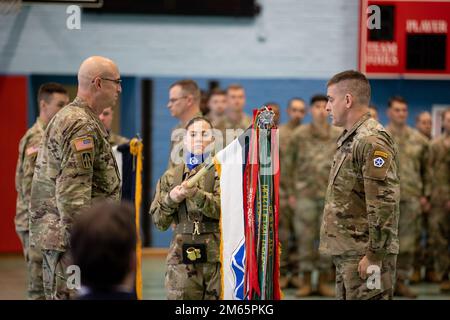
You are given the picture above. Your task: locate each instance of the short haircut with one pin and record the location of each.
(355, 83)
(216, 92)
(189, 87)
(295, 99)
(235, 86)
(197, 119)
(396, 99)
(420, 114)
(318, 98)
(47, 89)
(103, 242)
(272, 104)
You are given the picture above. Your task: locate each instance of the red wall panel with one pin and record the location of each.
(13, 124)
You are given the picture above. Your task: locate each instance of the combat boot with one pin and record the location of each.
(431, 276)
(323, 288)
(295, 282)
(415, 277)
(305, 288)
(402, 290)
(445, 286)
(284, 280)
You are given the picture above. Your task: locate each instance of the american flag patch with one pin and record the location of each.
(83, 143)
(31, 150)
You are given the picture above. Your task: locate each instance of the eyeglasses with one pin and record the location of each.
(117, 81)
(173, 100)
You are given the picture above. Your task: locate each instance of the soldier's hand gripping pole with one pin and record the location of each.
(193, 180)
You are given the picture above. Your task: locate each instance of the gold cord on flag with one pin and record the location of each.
(136, 147)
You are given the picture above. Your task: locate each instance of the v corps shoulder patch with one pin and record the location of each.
(378, 164)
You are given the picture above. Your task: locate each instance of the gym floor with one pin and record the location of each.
(13, 283)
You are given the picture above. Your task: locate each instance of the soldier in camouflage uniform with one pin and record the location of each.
(236, 121)
(360, 219)
(440, 202)
(75, 166)
(296, 111)
(413, 159)
(193, 262)
(184, 104)
(424, 254)
(106, 117)
(309, 158)
(51, 98)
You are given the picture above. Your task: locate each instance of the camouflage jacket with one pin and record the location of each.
(439, 162)
(203, 204)
(285, 132)
(309, 157)
(413, 150)
(117, 140)
(74, 166)
(362, 201)
(234, 130)
(28, 150)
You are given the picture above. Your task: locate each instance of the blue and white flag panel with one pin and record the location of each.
(229, 163)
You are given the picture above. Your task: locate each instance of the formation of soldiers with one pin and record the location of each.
(353, 194)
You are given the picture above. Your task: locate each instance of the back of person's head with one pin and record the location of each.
(47, 89)
(103, 245)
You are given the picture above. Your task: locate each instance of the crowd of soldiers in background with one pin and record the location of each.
(306, 152)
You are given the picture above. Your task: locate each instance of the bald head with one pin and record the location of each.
(99, 82)
(93, 67)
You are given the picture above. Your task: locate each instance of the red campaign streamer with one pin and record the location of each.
(276, 177)
(250, 184)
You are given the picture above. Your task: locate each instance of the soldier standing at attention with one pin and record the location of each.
(360, 219)
(296, 111)
(309, 157)
(184, 104)
(413, 150)
(52, 97)
(424, 124)
(424, 254)
(106, 117)
(193, 262)
(75, 166)
(236, 120)
(217, 102)
(440, 202)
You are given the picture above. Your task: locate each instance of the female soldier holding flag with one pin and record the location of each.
(193, 261)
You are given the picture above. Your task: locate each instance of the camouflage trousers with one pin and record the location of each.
(440, 237)
(409, 227)
(350, 286)
(54, 268)
(307, 222)
(33, 259)
(199, 281)
(288, 257)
